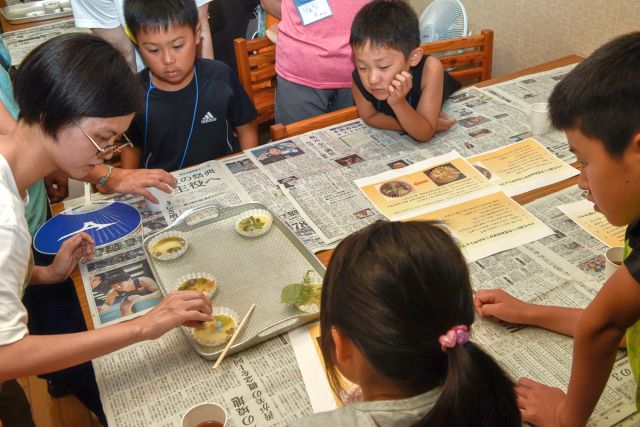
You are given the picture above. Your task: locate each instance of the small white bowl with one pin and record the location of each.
(212, 335)
(51, 6)
(182, 285)
(173, 250)
(245, 228)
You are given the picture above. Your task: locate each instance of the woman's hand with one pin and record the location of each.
(79, 247)
(136, 181)
(186, 308)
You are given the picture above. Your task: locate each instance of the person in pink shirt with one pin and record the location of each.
(313, 56)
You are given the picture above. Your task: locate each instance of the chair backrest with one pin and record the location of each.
(468, 59)
(280, 131)
(256, 59)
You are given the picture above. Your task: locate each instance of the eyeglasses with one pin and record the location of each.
(109, 149)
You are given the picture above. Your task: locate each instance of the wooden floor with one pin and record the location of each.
(66, 411)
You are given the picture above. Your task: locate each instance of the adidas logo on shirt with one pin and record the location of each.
(208, 118)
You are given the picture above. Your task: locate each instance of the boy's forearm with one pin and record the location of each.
(562, 320)
(594, 354)
(419, 127)
(248, 135)
(382, 121)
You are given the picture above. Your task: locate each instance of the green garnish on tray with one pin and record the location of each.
(252, 223)
(302, 293)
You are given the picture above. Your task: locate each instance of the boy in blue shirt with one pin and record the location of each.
(598, 107)
(395, 85)
(193, 107)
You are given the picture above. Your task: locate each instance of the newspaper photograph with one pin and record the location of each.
(594, 223)
(423, 187)
(522, 166)
(153, 383)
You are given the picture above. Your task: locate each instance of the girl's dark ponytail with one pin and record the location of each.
(476, 392)
(393, 289)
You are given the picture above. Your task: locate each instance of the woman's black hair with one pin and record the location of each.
(386, 23)
(393, 289)
(71, 77)
(147, 15)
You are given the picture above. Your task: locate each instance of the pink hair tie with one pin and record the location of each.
(457, 335)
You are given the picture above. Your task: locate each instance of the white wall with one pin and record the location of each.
(530, 32)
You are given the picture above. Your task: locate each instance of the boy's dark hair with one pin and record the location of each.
(600, 97)
(71, 77)
(156, 15)
(386, 23)
(393, 288)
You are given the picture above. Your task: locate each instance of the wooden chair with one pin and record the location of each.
(471, 58)
(280, 131)
(256, 59)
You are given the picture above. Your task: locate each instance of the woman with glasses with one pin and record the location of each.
(76, 96)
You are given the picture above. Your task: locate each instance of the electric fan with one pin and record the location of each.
(443, 19)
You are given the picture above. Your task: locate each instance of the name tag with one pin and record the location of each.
(312, 10)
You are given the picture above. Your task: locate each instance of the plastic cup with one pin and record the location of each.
(613, 260)
(162, 199)
(539, 118)
(199, 414)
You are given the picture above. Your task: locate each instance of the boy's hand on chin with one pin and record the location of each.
(400, 87)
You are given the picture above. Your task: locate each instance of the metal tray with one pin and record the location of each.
(247, 270)
(17, 13)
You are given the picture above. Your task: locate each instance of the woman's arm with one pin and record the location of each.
(38, 354)
(206, 46)
(273, 7)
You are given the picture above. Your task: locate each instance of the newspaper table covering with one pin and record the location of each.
(156, 382)
(485, 122)
(21, 42)
(334, 157)
(314, 168)
(538, 272)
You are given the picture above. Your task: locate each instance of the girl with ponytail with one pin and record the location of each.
(396, 316)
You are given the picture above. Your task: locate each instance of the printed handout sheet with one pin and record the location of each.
(522, 166)
(594, 223)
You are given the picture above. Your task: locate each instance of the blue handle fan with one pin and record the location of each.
(442, 20)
